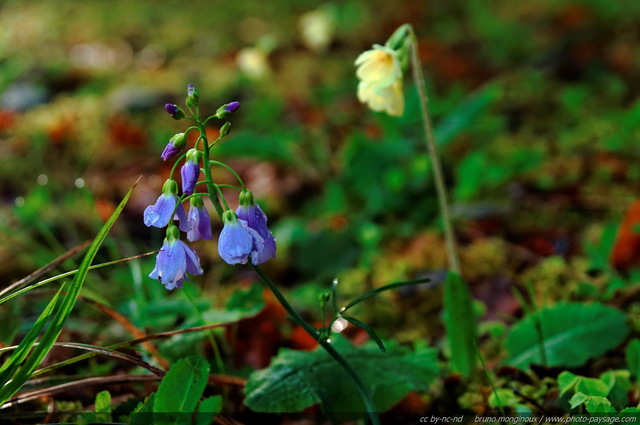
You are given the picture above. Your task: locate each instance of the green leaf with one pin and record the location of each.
(208, 409)
(619, 383)
(503, 397)
(143, 413)
(103, 402)
(578, 399)
(572, 333)
(366, 327)
(296, 380)
(633, 357)
(181, 389)
(103, 407)
(592, 387)
(597, 404)
(567, 382)
(247, 302)
(459, 119)
(460, 324)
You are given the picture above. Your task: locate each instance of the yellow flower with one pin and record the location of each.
(389, 99)
(380, 75)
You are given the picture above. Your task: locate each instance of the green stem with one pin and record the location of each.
(490, 379)
(207, 169)
(230, 170)
(368, 402)
(212, 339)
(441, 189)
(312, 331)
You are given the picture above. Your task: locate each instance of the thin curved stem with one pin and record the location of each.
(236, 175)
(438, 177)
(368, 402)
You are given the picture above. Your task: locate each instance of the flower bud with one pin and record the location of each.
(225, 129)
(176, 143)
(227, 109)
(175, 111)
(192, 96)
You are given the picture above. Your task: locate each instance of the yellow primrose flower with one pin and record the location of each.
(379, 65)
(389, 99)
(380, 75)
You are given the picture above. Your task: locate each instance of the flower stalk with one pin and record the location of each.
(245, 237)
(438, 177)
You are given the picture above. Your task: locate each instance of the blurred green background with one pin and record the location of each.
(535, 106)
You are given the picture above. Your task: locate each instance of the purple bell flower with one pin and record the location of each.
(159, 214)
(257, 220)
(190, 172)
(174, 261)
(199, 221)
(237, 240)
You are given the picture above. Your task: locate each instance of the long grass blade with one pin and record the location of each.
(9, 367)
(66, 274)
(23, 373)
(382, 289)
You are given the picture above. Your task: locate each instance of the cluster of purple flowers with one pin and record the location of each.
(244, 237)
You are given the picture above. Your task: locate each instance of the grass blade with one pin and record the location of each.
(9, 367)
(366, 327)
(382, 289)
(23, 373)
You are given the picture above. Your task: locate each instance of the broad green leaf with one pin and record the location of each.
(208, 409)
(460, 324)
(597, 404)
(103, 407)
(619, 383)
(103, 402)
(633, 357)
(503, 397)
(592, 387)
(578, 399)
(296, 380)
(567, 382)
(181, 389)
(143, 413)
(248, 302)
(572, 333)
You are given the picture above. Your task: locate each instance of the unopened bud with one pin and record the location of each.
(227, 109)
(225, 129)
(175, 111)
(192, 96)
